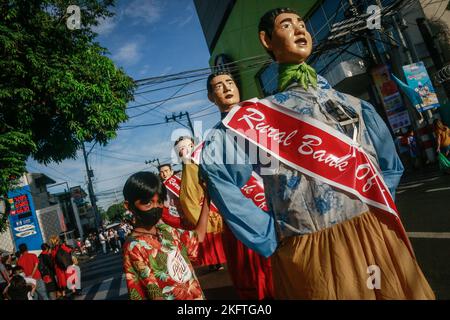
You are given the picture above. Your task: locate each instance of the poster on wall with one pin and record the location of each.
(417, 78)
(23, 220)
(397, 114)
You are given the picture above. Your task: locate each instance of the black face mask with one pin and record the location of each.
(147, 218)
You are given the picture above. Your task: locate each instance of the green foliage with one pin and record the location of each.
(116, 212)
(13, 149)
(57, 86)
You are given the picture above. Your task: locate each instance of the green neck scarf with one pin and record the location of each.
(302, 73)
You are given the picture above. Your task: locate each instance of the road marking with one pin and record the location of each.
(438, 189)
(401, 191)
(420, 180)
(102, 292)
(411, 186)
(123, 286)
(429, 235)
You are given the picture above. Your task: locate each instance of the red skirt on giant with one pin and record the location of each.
(210, 251)
(250, 272)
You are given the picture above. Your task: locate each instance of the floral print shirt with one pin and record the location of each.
(159, 268)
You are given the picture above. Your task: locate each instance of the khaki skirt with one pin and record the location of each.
(362, 258)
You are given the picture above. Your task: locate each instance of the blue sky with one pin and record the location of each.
(146, 38)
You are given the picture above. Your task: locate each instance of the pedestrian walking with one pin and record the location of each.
(102, 239)
(19, 289)
(88, 246)
(413, 150)
(112, 240)
(74, 277)
(116, 241)
(47, 269)
(62, 258)
(442, 133)
(30, 265)
(18, 271)
(121, 234)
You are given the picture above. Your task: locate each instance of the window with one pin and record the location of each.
(318, 20)
(331, 7)
(268, 79)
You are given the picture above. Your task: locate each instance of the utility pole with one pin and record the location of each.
(174, 117)
(90, 174)
(153, 161)
(115, 193)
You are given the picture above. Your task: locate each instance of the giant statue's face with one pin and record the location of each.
(165, 172)
(224, 93)
(184, 148)
(290, 42)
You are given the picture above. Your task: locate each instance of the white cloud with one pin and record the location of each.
(166, 70)
(148, 11)
(106, 25)
(182, 21)
(186, 21)
(128, 54)
(145, 70)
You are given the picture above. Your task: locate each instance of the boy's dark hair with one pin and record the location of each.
(44, 247)
(165, 165)
(216, 74)
(143, 186)
(18, 282)
(23, 248)
(183, 138)
(267, 22)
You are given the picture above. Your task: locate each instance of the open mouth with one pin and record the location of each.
(301, 42)
(229, 96)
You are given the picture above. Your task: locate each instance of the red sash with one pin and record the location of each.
(173, 184)
(314, 149)
(253, 189)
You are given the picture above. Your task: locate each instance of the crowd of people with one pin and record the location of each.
(54, 273)
(49, 276)
(323, 224)
(408, 147)
(106, 240)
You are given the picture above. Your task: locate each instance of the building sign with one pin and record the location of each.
(23, 220)
(77, 194)
(417, 78)
(397, 114)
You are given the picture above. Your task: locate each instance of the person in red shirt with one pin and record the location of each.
(30, 263)
(60, 270)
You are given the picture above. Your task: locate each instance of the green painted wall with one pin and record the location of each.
(239, 38)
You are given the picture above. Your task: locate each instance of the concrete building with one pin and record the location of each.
(78, 213)
(35, 219)
(230, 29)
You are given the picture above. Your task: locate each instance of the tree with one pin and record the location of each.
(116, 212)
(14, 147)
(57, 86)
